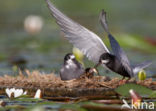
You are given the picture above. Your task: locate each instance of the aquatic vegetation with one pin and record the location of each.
(54, 86)
(124, 89)
(97, 93)
(136, 98)
(14, 93)
(38, 94)
(142, 75)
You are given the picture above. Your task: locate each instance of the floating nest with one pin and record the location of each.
(52, 86)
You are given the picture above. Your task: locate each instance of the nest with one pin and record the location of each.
(50, 82)
(36, 79)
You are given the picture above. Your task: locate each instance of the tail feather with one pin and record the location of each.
(141, 66)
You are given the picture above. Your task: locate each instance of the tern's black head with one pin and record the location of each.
(69, 56)
(106, 58)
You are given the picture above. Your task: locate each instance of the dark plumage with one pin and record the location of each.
(113, 64)
(118, 61)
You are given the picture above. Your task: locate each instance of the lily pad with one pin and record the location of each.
(73, 107)
(124, 89)
(28, 100)
(153, 95)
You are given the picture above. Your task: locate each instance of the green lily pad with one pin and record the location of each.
(124, 89)
(72, 107)
(28, 100)
(153, 95)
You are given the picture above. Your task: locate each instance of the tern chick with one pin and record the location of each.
(89, 72)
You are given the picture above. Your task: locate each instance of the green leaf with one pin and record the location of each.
(28, 100)
(153, 95)
(72, 107)
(124, 89)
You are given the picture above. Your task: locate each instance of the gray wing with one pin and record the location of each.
(117, 50)
(88, 42)
(138, 67)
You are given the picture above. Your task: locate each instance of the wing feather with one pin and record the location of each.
(138, 67)
(82, 38)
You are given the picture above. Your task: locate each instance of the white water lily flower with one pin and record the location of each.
(8, 92)
(16, 92)
(38, 94)
(25, 93)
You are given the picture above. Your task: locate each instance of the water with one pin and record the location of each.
(46, 53)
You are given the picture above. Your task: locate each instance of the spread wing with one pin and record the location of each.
(117, 50)
(138, 67)
(85, 40)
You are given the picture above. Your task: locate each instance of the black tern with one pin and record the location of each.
(118, 61)
(93, 47)
(71, 69)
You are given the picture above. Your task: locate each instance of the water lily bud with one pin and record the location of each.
(142, 75)
(136, 98)
(38, 94)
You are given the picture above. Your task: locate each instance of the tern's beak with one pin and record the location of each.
(95, 71)
(95, 68)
